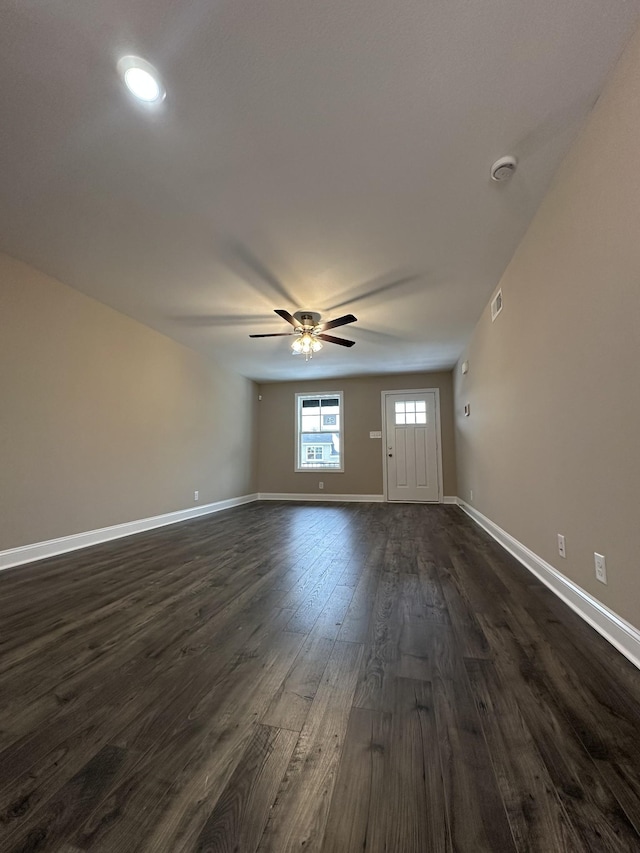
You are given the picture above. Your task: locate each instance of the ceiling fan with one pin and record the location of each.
(310, 332)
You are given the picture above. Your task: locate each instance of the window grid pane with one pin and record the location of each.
(411, 412)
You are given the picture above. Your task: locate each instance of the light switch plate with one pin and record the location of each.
(376, 433)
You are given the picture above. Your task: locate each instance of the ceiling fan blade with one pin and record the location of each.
(274, 335)
(288, 317)
(330, 339)
(339, 321)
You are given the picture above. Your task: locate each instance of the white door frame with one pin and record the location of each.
(386, 394)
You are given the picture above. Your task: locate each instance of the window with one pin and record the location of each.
(411, 412)
(319, 432)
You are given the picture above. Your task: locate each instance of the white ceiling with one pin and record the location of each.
(330, 155)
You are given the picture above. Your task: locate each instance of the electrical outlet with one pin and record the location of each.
(601, 567)
(196, 496)
(561, 547)
(321, 485)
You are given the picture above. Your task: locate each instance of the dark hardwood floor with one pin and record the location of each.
(335, 678)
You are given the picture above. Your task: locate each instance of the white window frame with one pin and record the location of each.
(309, 395)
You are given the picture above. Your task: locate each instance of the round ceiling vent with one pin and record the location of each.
(503, 168)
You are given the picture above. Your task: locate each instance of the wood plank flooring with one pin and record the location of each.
(327, 678)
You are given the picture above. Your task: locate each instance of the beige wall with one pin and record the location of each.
(103, 420)
(362, 414)
(553, 441)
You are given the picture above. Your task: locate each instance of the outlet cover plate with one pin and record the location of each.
(561, 546)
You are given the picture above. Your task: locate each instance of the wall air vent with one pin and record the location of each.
(496, 305)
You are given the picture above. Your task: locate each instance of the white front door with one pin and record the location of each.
(412, 452)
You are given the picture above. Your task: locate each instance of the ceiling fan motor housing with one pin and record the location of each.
(307, 319)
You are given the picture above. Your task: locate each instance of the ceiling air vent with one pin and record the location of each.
(496, 305)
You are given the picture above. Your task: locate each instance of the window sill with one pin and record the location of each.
(318, 470)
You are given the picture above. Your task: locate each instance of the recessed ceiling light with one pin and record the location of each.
(141, 79)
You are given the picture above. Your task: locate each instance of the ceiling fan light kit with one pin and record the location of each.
(306, 345)
(310, 331)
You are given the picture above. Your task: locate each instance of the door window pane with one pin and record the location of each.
(411, 412)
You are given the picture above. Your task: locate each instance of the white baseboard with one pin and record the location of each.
(620, 633)
(319, 496)
(52, 547)
(294, 496)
